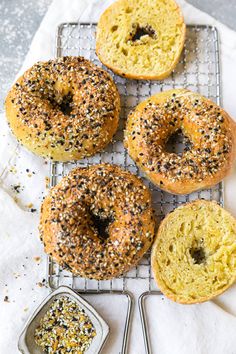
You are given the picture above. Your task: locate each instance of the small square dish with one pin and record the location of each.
(27, 343)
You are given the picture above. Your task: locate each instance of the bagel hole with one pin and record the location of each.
(66, 104)
(101, 225)
(198, 255)
(178, 143)
(141, 31)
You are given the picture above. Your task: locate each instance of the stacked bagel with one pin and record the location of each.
(98, 222)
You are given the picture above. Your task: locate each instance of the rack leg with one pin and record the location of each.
(130, 298)
(143, 317)
(127, 322)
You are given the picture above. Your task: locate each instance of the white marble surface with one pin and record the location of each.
(19, 21)
(223, 10)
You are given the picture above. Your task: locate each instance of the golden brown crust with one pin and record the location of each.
(209, 128)
(88, 204)
(120, 11)
(64, 109)
(178, 275)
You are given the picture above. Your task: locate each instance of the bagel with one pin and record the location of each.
(141, 39)
(206, 160)
(194, 253)
(64, 109)
(98, 221)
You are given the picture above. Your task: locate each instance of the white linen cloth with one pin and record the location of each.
(207, 328)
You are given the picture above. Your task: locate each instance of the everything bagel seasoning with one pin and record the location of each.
(65, 328)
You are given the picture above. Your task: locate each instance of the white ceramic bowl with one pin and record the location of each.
(27, 344)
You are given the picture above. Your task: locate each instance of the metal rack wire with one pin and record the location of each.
(197, 70)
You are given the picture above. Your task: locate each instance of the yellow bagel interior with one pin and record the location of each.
(141, 39)
(194, 253)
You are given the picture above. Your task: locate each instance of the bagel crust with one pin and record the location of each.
(141, 39)
(64, 109)
(210, 130)
(194, 253)
(98, 221)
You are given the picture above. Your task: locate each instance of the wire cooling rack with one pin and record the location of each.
(198, 70)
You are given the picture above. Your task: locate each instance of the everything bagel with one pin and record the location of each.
(64, 109)
(98, 221)
(208, 127)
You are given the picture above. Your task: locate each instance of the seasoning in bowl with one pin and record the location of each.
(65, 328)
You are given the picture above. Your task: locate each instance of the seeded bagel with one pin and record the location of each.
(141, 39)
(194, 254)
(207, 158)
(98, 221)
(64, 109)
